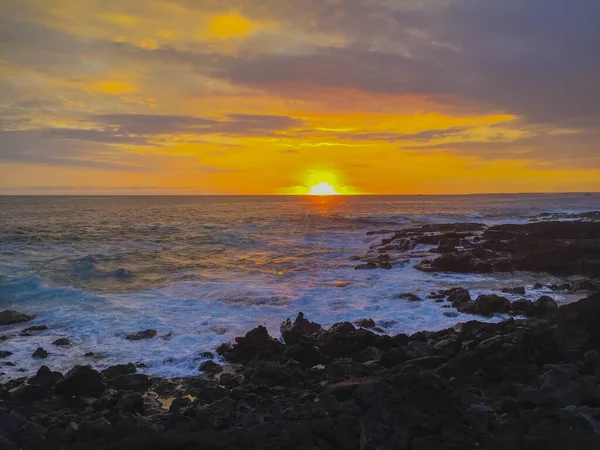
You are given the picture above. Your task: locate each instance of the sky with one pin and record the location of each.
(278, 96)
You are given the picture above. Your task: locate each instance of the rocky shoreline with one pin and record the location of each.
(531, 381)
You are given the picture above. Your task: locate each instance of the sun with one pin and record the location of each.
(322, 188)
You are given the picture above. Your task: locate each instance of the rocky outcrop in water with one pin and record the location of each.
(530, 384)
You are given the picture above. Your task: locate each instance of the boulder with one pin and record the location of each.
(62, 342)
(5, 354)
(10, 317)
(488, 305)
(466, 308)
(255, 345)
(544, 307)
(40, 353)
(131, 402)
(81, 381)
(45, 378)
(523, 307)
(211, 367)
(131, 382)
(301, 330)
(365, 323)
(118, 370)
(34, 328)
(146, 334)
(458, 296)
(410, 297)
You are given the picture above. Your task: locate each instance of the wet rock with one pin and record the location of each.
(365, 323)
(146, 334)
(410, 297)
(301, 330)
(10, 317)
(131, 402)
(466, 308)
(450, 314)
(5, 354)
(561, 287)
(538, 286)
(255, 345)
(81, 381)
(62, 342)
(545, 307)
(45, 378)
(488, 305)
(207, 355)
(40, 353)
(118, 370)
(211, 367)
(514, 290)
(456, 296)
(524, 307)
(131, 382)
(35, 328)
(95, 356)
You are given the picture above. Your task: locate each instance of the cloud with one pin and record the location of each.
(426, 135)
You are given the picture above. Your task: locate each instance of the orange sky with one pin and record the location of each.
(275, 96)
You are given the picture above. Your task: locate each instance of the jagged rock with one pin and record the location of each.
(40, 353)
(131, 382)
(146, 334)
(365, 323)
(10, 317)
(81, 381)
(211, 367)
(45, 378)
(118, 370)
(255, 345)
(301, 330)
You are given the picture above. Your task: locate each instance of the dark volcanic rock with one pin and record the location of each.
(62, 342)
(544, 307)
(255, 345)
(300, 331)
(131, 382)
(146, 334)
(10, 317)
(456, 296)
(118, 370)
(524, 307)
(5, 354)
(81, 381)
(211, 367)
(365, 323)
(410, 297)
(45, 378)
(40, 353)
(34, 328)
(488, 305)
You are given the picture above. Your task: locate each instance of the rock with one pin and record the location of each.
(118, 370)
(62, 342)
(34, 328)
(255, 345)
(146, 334)
(458, 296)
(95, 356)
(514, 290)
(211, 367)
(5, 354)
(301, 330)
(45, 378)
(341, 327)
(131, 402)
(561, 287)
(207, 355)
(524, 307)
(450, 314)
(131, 382)
(81, 381)
(488, 305)
(538, 286)
(40, 353)
(10, 317)
(466, 308)
(545, 307)
(410, 297)
(365, 323)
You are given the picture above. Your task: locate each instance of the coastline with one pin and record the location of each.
(525, 382)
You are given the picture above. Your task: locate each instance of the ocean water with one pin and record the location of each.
(202, 270)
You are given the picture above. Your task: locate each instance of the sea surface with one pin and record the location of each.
(202, 270)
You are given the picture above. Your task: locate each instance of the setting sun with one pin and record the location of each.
(322, 188)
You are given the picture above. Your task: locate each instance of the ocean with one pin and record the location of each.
(204, 269)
